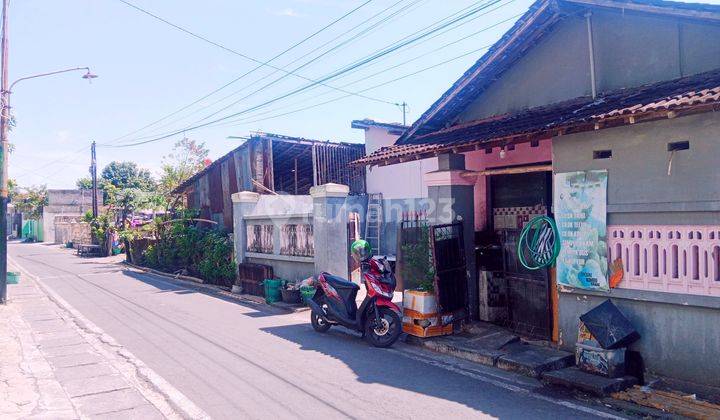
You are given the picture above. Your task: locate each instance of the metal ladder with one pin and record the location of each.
(373, 222)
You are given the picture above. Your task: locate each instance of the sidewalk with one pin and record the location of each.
(57, 365)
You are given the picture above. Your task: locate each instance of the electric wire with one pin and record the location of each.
(325, 78)
(386, 69)
(362, 34)
(379, 53)
(397, 79)
(260, 63)
(406, 40)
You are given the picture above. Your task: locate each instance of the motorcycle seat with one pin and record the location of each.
(340, 283)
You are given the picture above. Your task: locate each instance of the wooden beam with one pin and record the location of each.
(507, 171)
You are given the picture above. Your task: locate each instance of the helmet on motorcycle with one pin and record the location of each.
(361, 250)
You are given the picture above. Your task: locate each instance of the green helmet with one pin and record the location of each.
(361, 250)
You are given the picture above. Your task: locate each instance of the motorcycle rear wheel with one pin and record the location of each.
(385, 334)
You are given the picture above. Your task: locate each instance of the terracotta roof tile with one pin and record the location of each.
(680, 94)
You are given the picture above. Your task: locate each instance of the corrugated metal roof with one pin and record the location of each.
(390, 126)
(257, 135)
(625, 106)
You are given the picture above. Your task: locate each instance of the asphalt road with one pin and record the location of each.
(237, 360)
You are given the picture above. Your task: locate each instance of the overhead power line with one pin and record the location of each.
(402, 42)
(355, 37)
(396, 79)
(251, 118)
(217, 44)
(326, 78)
(387, 69)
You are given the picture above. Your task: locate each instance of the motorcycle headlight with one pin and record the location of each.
(380, 291)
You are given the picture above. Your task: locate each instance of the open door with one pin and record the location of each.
(448, 254)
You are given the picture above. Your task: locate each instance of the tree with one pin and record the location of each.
(127, 175)
(84, 183)
(31, 201)
(187, 158)
(124, 201)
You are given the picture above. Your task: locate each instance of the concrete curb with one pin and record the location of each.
(198, 284)
(166, 398)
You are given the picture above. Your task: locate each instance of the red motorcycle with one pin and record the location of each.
(378, 319)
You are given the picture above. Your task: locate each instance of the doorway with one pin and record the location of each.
(514, 199)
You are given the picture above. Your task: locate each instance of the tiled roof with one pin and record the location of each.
(528, 30)
(625, 106)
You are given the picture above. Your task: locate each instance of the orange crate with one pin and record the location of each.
(430, 331)
(418, 315)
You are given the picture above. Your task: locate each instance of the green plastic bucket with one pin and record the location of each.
(13, 277)
(273, 289)
(307, 293)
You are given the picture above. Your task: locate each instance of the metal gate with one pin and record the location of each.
(448, 253)
(528, 292)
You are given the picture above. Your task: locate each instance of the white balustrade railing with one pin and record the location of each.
(678, 259)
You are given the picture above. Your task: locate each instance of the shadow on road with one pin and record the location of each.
(387, 367)
(165, 285)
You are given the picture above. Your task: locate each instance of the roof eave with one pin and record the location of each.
(557, 131)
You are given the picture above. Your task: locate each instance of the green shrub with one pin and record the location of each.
(180, 244)
(150, 257)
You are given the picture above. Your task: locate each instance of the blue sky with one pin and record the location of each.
(148, 69)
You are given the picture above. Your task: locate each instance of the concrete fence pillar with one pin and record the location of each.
(330, 220)
(244, 203)
(452, 198)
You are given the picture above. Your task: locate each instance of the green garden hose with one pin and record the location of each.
(542, 247)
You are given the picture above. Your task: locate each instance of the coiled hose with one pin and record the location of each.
(542, 246)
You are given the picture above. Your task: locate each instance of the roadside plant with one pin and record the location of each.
(180, 245)
(417, 266)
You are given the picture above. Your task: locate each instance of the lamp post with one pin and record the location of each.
(5, 91)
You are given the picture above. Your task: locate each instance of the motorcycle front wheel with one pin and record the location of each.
(387, 331)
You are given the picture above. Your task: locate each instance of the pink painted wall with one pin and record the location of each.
(478, 160)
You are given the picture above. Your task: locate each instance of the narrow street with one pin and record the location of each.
(242, 361)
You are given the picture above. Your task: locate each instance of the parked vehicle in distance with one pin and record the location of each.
(378, 318)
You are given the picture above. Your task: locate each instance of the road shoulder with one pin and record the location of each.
(78, 368)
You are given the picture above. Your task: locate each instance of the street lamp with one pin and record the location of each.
(4, 124)
(5, 91)
(88, 75)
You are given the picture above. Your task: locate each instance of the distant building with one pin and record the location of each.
(271, 164)
(379, 135)
(65, 203)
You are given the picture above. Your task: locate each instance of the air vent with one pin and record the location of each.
(602, 154)
(678, 145)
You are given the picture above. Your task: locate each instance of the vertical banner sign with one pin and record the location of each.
(580, 207)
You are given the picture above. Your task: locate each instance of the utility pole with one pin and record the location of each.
(93, 174)
(4, 121)
(404, 109)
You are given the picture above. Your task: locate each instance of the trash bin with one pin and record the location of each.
(291, 295)
(273, 289)
(609, 326)
(13, 277)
